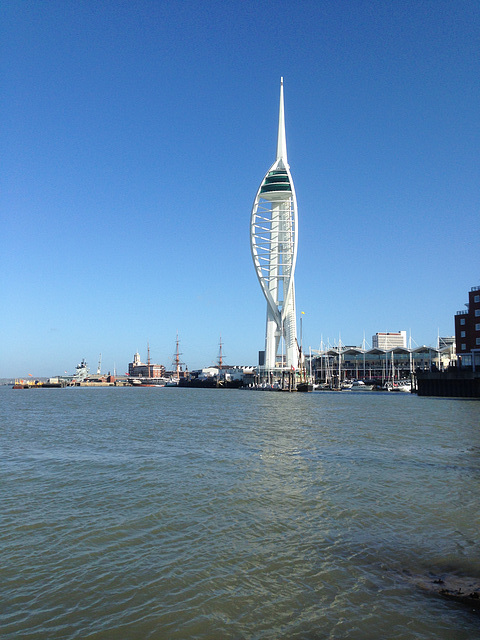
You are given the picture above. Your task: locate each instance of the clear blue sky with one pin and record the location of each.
(134, 138)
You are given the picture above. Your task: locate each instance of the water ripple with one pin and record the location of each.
(208, 514)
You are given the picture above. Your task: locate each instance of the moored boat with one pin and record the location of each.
(304, 387)
(404, 386)
(360, 385)
(147, 382)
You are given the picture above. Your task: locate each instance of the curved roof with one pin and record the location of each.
(352, 351)
(425, 349)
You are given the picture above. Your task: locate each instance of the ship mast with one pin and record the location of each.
(148, 359)
(220, 355)
(177, 362)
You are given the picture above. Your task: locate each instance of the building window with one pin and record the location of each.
(476, 299)
(478, 341)
(462, 334)
(463, 347)
(477, 326)
(477, 312)
(462, 320)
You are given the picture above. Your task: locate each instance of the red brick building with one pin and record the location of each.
(467, 330)
(138, 369)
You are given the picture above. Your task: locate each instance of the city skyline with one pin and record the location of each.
(133, 139)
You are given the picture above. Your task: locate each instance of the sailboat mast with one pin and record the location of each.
(339, 361)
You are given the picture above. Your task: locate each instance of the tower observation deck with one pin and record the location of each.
(273, 243)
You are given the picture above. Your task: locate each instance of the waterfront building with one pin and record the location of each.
(377, 364)
(389, 340)
(462, 380)
(445, 341)
(226, 372)
(446, 347)
(467, 331)
(273, 243)
(225, 376)
(138, 369)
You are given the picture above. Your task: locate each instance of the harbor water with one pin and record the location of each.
(226, 514)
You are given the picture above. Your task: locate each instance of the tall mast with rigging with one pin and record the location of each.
(177, 363)
(220, 355)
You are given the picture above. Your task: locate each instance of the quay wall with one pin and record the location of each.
(449, 384)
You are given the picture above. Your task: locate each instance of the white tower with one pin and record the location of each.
(273, 241)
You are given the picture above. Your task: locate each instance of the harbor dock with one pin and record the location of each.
(456, 382)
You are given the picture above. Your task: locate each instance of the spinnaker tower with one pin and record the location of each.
(273, 242)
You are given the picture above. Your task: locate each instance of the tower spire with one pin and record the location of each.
(282, 139)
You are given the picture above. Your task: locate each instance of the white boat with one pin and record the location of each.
(402, 386)
(359, 385)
